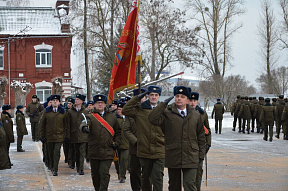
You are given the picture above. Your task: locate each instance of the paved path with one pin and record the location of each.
(236, 162)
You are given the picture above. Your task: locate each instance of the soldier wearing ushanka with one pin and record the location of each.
(267, 119)
(279, 110)
(53, 131)
(219, 111)
(245, 113)
(21, 127)
(184, 138)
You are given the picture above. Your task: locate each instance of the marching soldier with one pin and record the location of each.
(279, 110)
(102, 128)
(267, 119)
(53, 131)
(77, 138)
(33, 109)
(219, 111)
(245, 113)
(113, 107)
(150, 138)
(21, 127)
(5, 160)
(259, 109)
(66, 143)
(184, 138)
(204, 117)
(285, 119)
(8, 127)
(254, 110)
(90, 106)
(234, 112)
(127, 98)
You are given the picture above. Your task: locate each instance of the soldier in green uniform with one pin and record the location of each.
(124, 145)
(150, 138)
(130, 132)
(90, 106)
(184, 139)
(33, 109)
(66, 143)
(21, 127)
(245, 113)
(204, 117)
(8, 127)
(259, 109)
(279, 110)
(53, 131)
(102, 128)
(219, 111)
(267, 119)
(77, 138)
(238, 107)
(285, 119)
(234, 112)
(254, 110)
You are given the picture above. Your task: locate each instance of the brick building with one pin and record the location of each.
(35, 47)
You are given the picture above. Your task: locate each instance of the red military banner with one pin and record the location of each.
(124, 68)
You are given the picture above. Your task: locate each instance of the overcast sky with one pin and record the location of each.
(245, 46)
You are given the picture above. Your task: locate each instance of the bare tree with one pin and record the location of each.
(268, 38)
(18, 3)
(283, 34)
(3, 83)
(21, 91)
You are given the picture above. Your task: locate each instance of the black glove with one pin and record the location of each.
(140, 96)
(166, 101)
(115, 147)
(85, 129)
(207, 148)
(67, 140)
(31, 115)
(43, 139)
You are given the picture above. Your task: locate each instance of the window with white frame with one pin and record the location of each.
(1, 60)
(43, 55)
(43, 93)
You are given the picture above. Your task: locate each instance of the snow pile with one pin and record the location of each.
(21, 86)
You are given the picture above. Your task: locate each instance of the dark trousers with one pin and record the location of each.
(71, 155)
(35, 132)
(270, 131)
(239, 123)
(80, 151)
(253, 123)
(100, 174)
(19, 142)
(235, 121)
(135, 173)
(216, 125)
(66, 150)
(123, 162)
(54, 155)
(279, 124)
(46, 159)
(244, 124)
(189, 179)
(199, 175)
(153, 169)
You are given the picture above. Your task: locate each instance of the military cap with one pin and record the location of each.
(34, 96)
(281, 96)
(238, 97)
(261, 98)
(154, 89)
(56, 97)
(121, 100)
(254, 98)
(274, 99)
(189, 90)
(19, 107)
(100, 97)
(115, 102)
(70, 99)
(250, 98)
(218, 99)
(6, 107)
(45, 104)
(194, 95)
(181, 90)
(120, 104)
(136, 91)
(49, 99)
(80, 96)
(267, 100)
(89, 102)
(127, 98)
(242, 97)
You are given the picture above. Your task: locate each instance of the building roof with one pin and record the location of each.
(42, 20)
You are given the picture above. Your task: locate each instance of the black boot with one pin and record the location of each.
(233, 129)
(252, 131)
(258, 130)
(248, 132)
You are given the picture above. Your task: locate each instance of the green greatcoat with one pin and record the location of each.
(219, 111)
(124, 141)
(267, 118)
(8, 126)
(100, 141)
(5, 161)
(130, 132)
(245, 110)
(74, 121)
(150, 138)
(35, 109)
(184, 137)
(21, 124)
(53, 125)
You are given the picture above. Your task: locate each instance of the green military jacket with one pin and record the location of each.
(219, 111)
(204, 118)
(8, 126)
(267, 114)
(150, 138)
(279, 110)
(245, 110)
(21, 124)
(130, 132)
(259, 108)
(34, 109)
(234, 107)
(53, 125)
(74, 120)
(254, 108)
(4, 162)
(124, 142)
(100, 141)
(184, 137)
(285, 115)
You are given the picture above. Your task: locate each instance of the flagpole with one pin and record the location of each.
(139, 76)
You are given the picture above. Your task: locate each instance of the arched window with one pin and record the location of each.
(43, 55)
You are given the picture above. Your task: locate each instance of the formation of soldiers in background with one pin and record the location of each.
(131, 132)
(260, 116)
